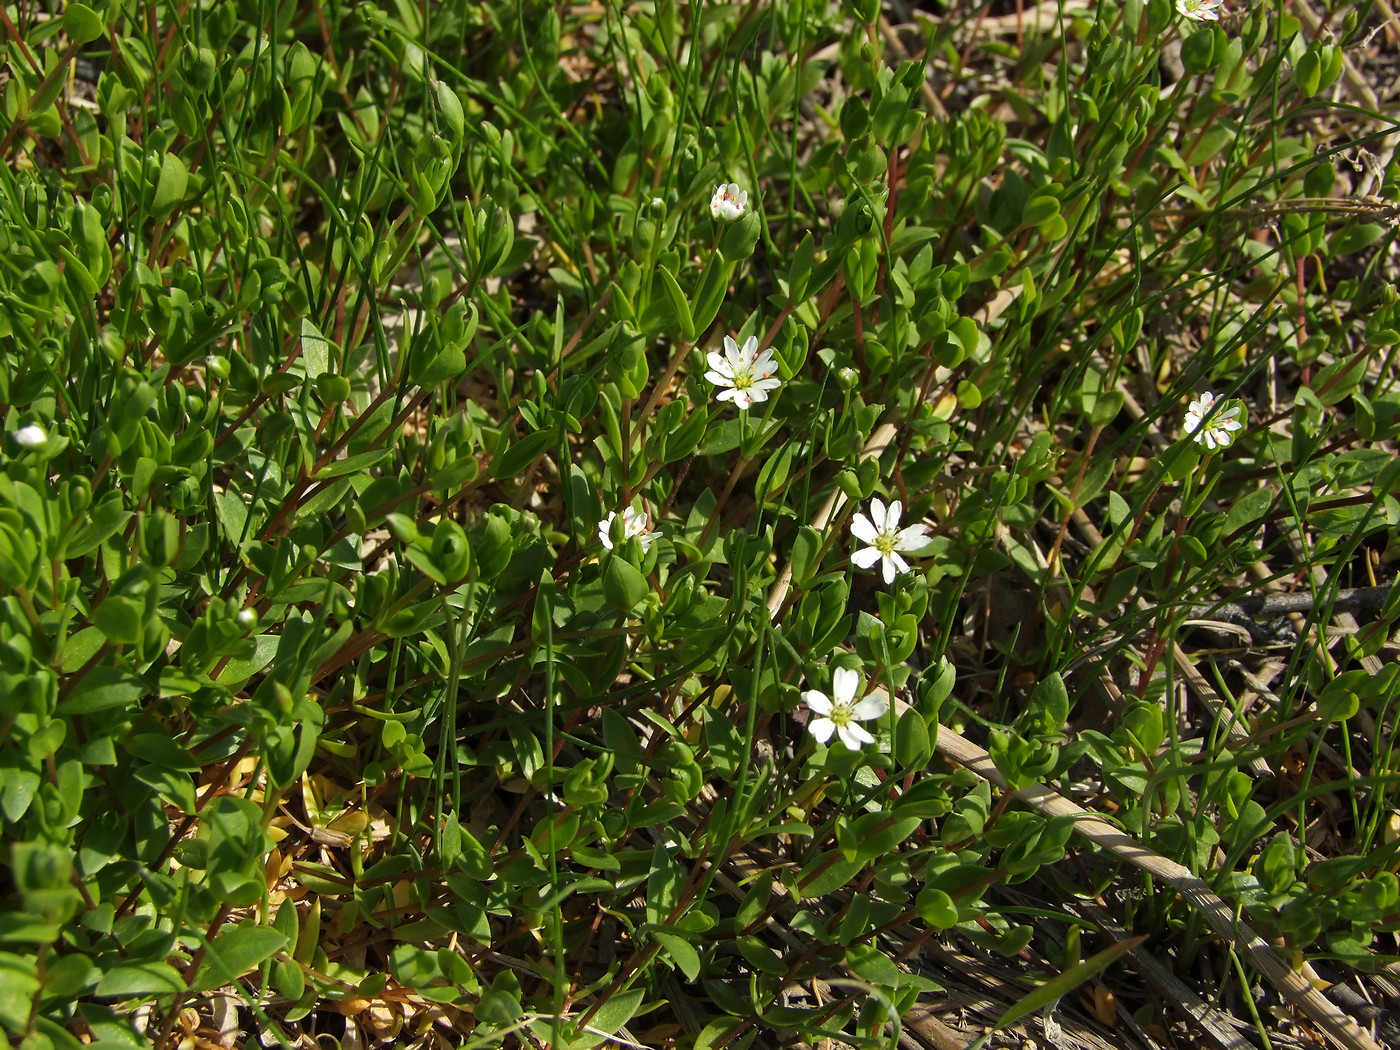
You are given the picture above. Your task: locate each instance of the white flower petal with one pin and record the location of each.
(1212, 430)
(737, 360)
(854, 737)
(822, 728)
(912, 538)
(605, 530)
(862, 529)
(865, 557)
(719, 363)
(877, 514)
(817, 701)
(844, 683)
(887, 568)
(871, 707)
(893, 514)
(899, 564)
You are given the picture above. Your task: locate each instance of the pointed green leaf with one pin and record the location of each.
(237, 950)
(1057, 987)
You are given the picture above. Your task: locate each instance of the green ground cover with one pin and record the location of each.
(698, 524)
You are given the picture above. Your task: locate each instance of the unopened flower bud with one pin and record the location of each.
(31, 436)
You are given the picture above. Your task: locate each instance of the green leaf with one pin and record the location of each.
(511, 460)
(806, 556)
(103, 689)
(450, 363)
(17, 789)
(989, 264)
(1039, 209)
(19, 983)
(82, 24)
(170, 187)
(161, 750)
(873, 835)
(617, 1011)
(240, 669)
(869, 962)
(913, 748)
(936, 908)
(663, 885)
(138, 980)
(710, 297)
(233, 514)
(724, 438)
(357, 464)
(450, 109)
(755, 903)
(1048, 703)
(682, 952)
(678, 303)
(1057, 987)
(121, 619)
(106, 518)
(237, 950)
(623, 583)
(315, 349)
(825, 873)
(1336, 382)
(67, 975)
(1212, 141)
(760, 956)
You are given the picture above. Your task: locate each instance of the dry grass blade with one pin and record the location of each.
(1218, 915)
(1214, 1025)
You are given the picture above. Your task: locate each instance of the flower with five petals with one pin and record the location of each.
(886, 539)
(840, 713)
(1199, 10)
(1219, 430)
(635, 523)
(728, 202)
(743, 375)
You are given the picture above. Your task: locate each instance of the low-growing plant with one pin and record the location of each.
(519, 521)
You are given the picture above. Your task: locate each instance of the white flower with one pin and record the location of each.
(840, 713)
(729, 202)
(1219, 431)
(31, 436)
(746, 375)
(881, 530)
(1199, 10)
(634, 523)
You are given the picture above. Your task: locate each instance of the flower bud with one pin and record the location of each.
(31, 436)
